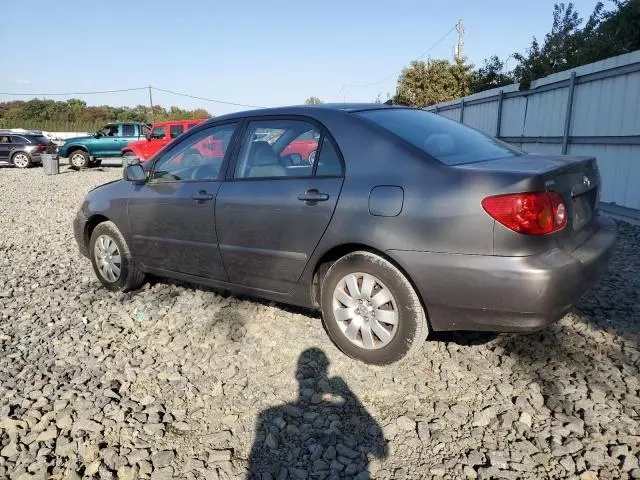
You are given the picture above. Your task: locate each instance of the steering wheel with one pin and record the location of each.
(205, 172)
(191, 159)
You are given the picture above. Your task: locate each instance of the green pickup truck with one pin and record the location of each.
(106, 142)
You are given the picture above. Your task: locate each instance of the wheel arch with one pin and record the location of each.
(339, 251)
(17, 152)
(129, 149)
(73, 148)
(91, 224)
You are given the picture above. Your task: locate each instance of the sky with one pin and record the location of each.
(263, 53)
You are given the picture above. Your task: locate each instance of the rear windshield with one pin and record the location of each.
(41, 139)
(450, 142)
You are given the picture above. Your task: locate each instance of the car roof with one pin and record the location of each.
(307, 109)
(23, 132)
(178, 122)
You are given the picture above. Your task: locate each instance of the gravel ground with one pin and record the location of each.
(177, 380)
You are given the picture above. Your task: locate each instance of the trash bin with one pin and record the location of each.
(50, 164)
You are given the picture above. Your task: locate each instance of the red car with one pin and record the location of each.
(305, 145)
(161, 134)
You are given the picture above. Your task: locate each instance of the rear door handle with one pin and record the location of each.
(312, 196)
(202, 196)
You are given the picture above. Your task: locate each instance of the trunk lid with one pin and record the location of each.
(576, 179)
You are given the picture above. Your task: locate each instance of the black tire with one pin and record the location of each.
(21, 160)
(311, 157)
(79, 159)
(411, 327)
(130, 276)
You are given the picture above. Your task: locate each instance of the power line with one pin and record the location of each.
(128, 90)
(207, 99)
(72, 93)
(437, 42)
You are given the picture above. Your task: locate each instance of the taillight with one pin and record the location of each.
(536, 213)
(41, 146)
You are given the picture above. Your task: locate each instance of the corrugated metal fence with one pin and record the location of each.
(590, 110)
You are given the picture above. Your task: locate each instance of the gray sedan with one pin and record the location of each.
(392, 221)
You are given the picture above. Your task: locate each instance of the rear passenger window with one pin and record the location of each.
(277, 148)
(191, 125)
(175, 130)
(128, 130)
(329, 164)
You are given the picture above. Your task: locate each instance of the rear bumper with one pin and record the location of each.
(507, 294)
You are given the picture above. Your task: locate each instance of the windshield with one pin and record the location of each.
(448, 141)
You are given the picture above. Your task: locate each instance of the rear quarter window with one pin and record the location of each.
(446, 140)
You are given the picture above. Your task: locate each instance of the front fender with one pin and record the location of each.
(135, 149)
(64, 150)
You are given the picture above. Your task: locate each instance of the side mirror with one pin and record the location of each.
(148, 136)
(134, 173)
(97, 134)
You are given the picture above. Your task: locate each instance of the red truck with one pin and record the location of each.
(161, 134)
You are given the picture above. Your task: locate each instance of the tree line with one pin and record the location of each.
(76, 115)
(570, 43)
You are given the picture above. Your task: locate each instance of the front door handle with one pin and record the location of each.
(202, 196)
(312, 196)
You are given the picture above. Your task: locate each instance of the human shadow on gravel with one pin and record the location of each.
(326, 433)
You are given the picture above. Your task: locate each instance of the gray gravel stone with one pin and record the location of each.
(100, 383)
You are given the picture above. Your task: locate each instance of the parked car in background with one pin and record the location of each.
(404, 222)
(160, 135)
(108, 141)
(24, 150)
(302, 149)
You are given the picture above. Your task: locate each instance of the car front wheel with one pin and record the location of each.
(112, 261)
(370, 310)
(79, 159)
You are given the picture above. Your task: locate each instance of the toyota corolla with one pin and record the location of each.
(404, 222)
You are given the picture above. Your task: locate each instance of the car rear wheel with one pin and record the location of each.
(312, 156)
(370, 310)
(112, 261)
(21, 160)
(79, 159)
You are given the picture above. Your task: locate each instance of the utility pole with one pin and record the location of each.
(457, 50)
(151, 104)
(344, 93)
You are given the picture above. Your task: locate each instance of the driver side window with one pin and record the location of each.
(196, 158)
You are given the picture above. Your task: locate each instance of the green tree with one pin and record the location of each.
(312, 101)
(569, 44)
(75, 115)
(426, 83)
(491, 75)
